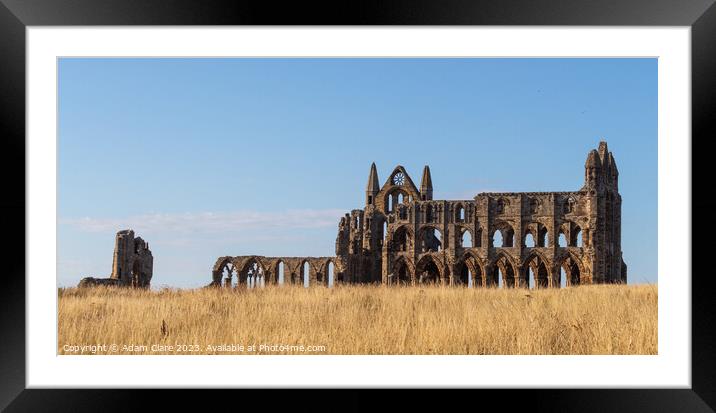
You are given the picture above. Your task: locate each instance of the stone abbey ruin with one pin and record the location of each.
(132, 265)
(405, 237)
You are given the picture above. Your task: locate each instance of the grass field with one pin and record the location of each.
(606, 319)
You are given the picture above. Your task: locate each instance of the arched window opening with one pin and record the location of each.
(503, 273)
(536, 275)
(401, 276)
(390, 203)
(429, 213)
(463, 275)
(562, 278)
(529, 240)
(569, 270)
(577, 237)
(562, 239)
(400, 198)
(534, 206)
(432, 240)
(401, 240)
(531, 279)
(305, 273)
(500, 208)
(460, 214)
(280, 273)
(569, 205)
(428, 273)
(477, 279)
(543, 234)
(331, 273)
(466, 240)
(497, 239)
(228, 275)
(385, 230)
(252, 275)
(574, 274)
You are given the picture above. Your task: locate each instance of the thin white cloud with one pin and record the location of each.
(211, 222)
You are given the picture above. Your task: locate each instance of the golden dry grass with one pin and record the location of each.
(606, 319)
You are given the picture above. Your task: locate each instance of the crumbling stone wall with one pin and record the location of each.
(132, 263)
(403, 236)
(257, 270)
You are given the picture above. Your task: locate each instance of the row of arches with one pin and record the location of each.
(430, 238)
(429, 213)
(257, 272)
(395, 198)
(501, 272)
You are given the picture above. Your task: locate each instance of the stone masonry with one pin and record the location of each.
(132, 264)
(512, 239)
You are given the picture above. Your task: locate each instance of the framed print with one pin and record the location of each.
(379, 197)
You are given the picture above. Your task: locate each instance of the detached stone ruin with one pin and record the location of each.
(132, 265)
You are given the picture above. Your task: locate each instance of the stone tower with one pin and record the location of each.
(132, 263)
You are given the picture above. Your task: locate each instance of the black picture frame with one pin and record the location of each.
(16, 15)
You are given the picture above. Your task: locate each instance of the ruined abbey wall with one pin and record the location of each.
(404, 236)
(132, 263)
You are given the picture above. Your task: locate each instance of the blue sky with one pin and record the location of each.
(212, 157)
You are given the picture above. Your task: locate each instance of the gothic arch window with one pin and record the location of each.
(401, 240)
(251, 275)
(562, 241)
(305, 273)
(503, 236)
(497, 239)
(534, 206)
(431, 240)
(280, 273)
(466, 239)
(529, 240)
(330, 274)
(543, 239)
(459, 213)
(500, 206)
(535, 274)
(569, 205)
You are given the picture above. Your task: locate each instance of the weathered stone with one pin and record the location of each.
(132, 264)
(403, 236)
(91, 281)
